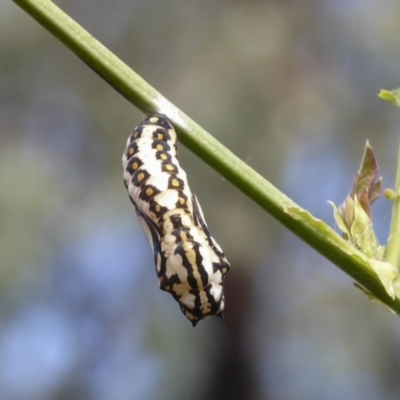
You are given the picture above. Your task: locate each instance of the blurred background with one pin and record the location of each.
(289, 86)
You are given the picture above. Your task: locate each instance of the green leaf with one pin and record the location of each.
(339, 219)
(375, 191)
(392, 96)
(367, 172)
(362, 233)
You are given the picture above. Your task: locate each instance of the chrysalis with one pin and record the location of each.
(190, 264)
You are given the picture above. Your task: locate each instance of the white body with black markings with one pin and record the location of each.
(189, 262)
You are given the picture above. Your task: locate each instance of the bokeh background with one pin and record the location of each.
(289, 86)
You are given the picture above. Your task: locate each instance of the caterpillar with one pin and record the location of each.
(189, 262)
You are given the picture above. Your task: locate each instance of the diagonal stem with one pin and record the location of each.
(314, 232)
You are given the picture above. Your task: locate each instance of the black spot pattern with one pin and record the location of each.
(189, 263)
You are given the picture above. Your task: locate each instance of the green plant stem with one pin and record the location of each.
(392, 254)
(314, 232)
